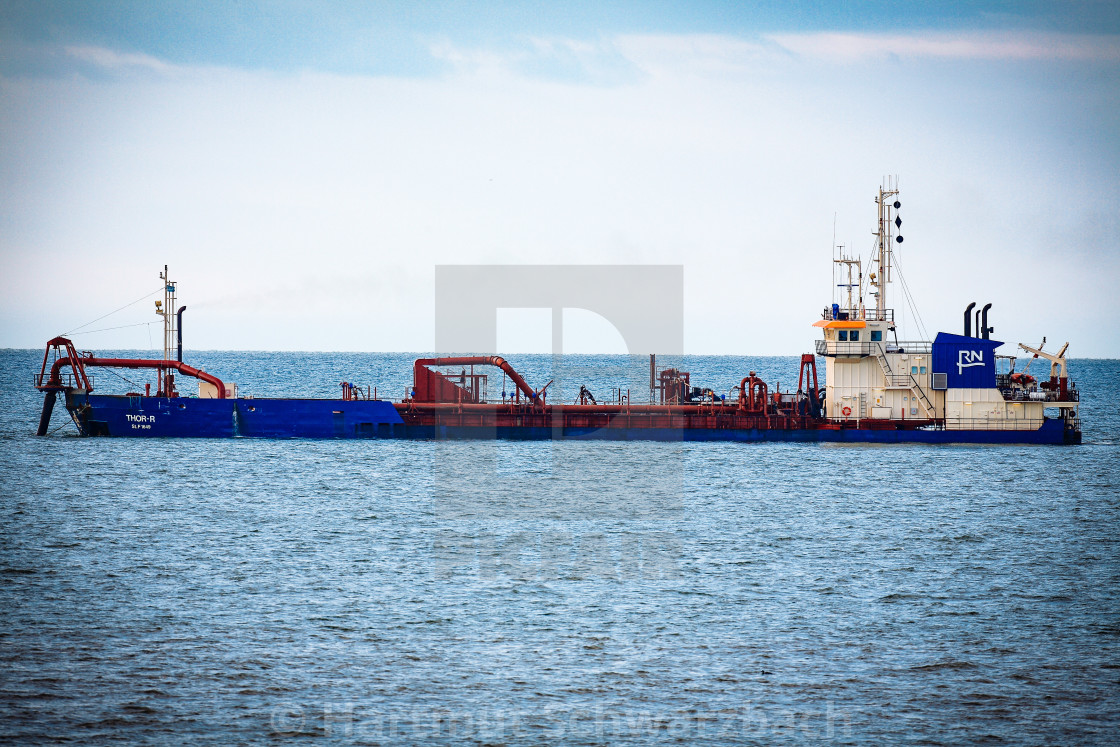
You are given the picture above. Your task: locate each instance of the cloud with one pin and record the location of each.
(109, 59)
(635, 58)
(618, 60)
(996, 45)
(587, 62)
(705, 55)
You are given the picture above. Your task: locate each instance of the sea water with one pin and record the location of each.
(383, 592)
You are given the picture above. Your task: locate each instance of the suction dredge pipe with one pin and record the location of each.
(478, 360)
(48, 409)
(182, 368)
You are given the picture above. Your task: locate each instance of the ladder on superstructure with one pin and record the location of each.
(915, 388)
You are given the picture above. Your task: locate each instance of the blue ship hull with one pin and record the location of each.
(161, 417)
(188, 417)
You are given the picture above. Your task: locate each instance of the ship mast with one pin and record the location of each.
(853, 269)
(882, 274)
(166, 309)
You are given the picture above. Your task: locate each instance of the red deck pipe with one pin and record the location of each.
(752, 394)
(479, 360)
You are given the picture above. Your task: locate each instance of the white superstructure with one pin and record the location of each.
(951, 382)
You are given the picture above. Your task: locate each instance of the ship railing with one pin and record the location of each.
(907, 346)
(1022, 395)
(65, 377)
(861, 349)
(900, 380)
(835, 349)
(858, 315)
(994, 424)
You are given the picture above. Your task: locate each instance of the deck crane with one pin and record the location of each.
(1058, 375)
(1041, 345)
(1057, 361)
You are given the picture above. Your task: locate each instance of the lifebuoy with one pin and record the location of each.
(847, 411)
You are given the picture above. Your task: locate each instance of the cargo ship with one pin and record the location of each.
(877, 389)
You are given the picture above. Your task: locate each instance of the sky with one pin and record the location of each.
(303, 167)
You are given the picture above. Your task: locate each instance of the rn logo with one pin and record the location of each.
(968, 359)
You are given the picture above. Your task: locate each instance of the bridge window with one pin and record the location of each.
(913, 369)
(877, 335)
(843, 335)
(855, 335)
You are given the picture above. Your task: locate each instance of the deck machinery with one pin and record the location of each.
(877, 389)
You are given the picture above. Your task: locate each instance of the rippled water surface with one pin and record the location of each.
(242, 591)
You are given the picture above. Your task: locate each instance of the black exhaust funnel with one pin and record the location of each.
(968, 319)
(984, 328)
(179, 330)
